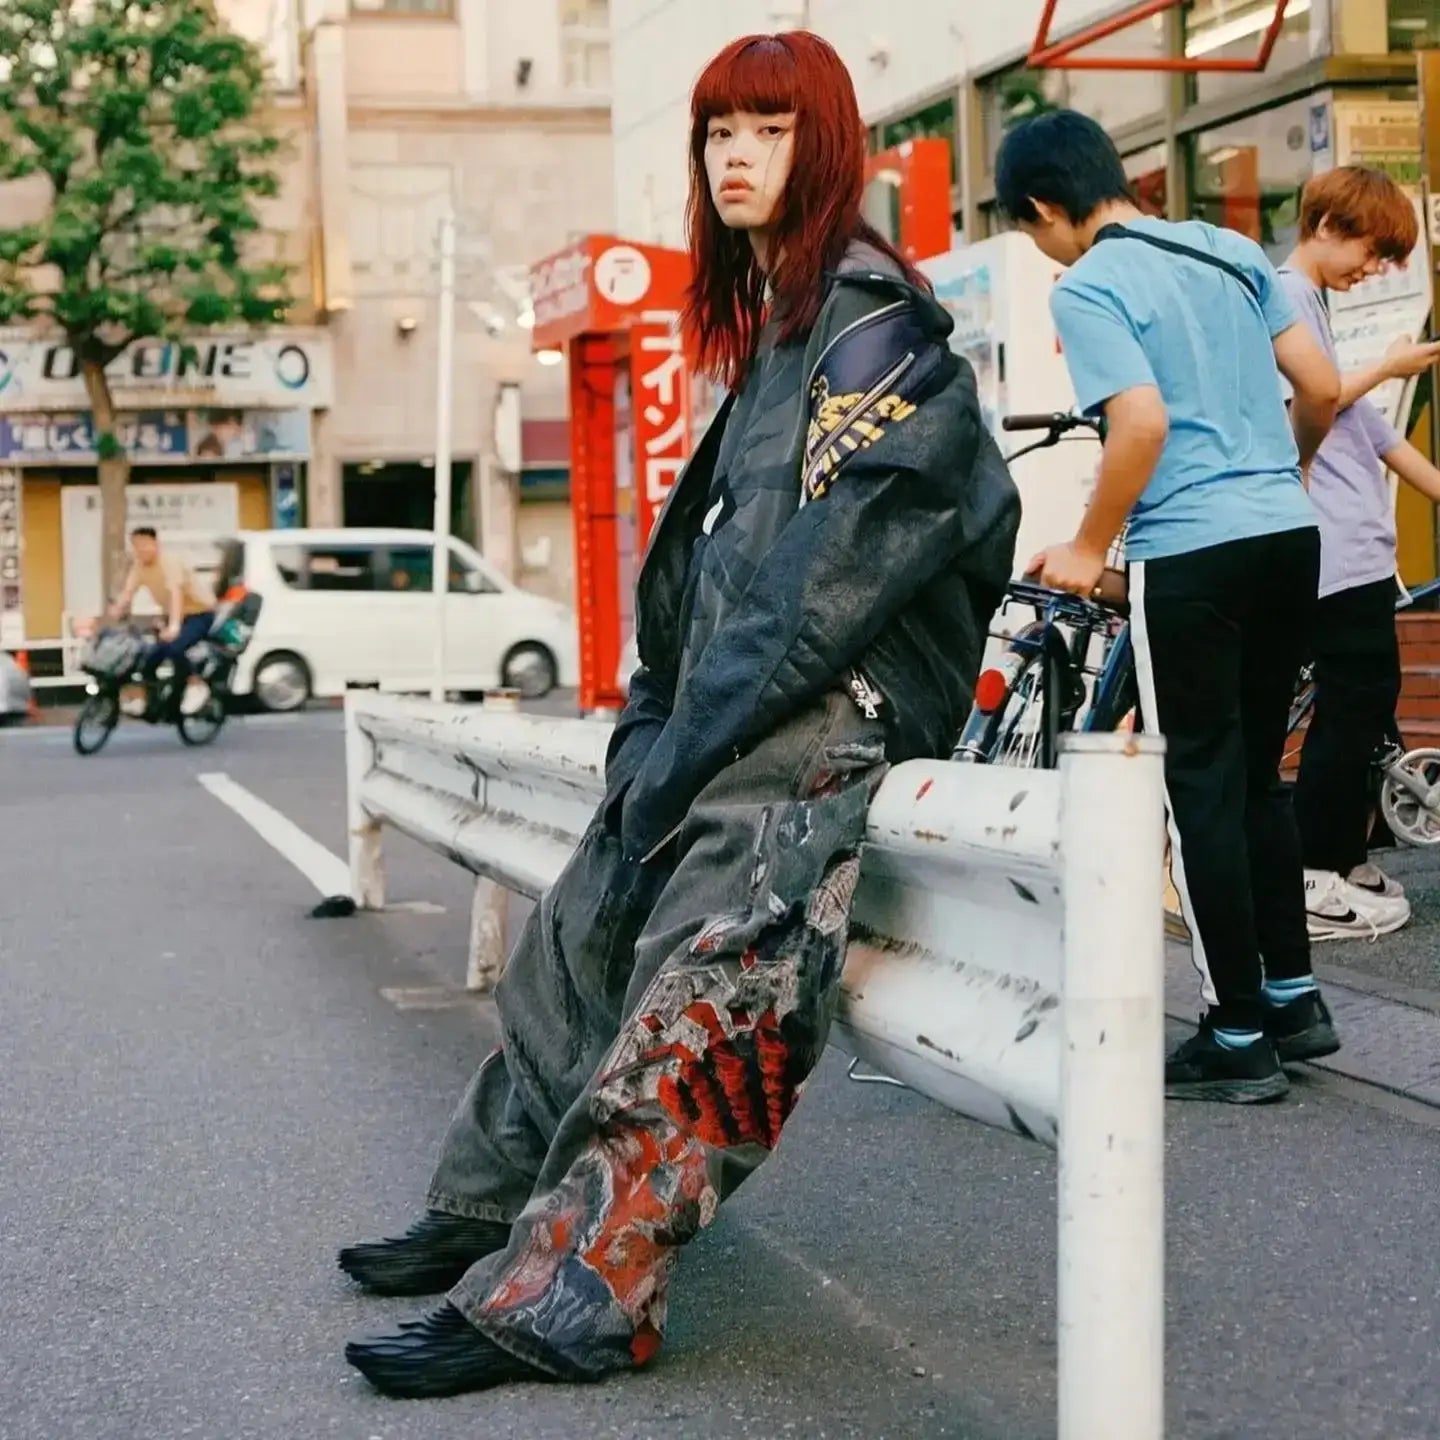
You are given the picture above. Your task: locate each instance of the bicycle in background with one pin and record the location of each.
(114, 658)
(1071, 668)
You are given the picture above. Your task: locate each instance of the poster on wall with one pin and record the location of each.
(159, 437)
(1384, 135)
(12, 603)
(60, 439)
(250, 434)
(969, 297)
(190, 520)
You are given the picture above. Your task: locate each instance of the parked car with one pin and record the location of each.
(356, 608)
(14, 691)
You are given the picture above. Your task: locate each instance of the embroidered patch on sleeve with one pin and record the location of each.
(841, 425)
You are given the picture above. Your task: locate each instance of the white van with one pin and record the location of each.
(355, 608)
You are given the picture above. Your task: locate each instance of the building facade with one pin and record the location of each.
(396, 112)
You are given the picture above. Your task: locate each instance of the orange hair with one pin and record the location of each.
(1361, 204)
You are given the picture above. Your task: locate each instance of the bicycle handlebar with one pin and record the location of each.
(1059, 422)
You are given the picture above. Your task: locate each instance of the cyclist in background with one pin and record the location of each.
(187, 609)
(1353, 222)
(1174, 333)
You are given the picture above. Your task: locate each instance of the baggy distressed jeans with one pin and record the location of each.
(658, 1023)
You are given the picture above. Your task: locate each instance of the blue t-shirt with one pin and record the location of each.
(1129, 314)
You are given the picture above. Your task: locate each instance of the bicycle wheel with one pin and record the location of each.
(98, 716)
(1411, 821)
(1019, 736)
(201, 725)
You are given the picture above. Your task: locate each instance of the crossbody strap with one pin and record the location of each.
(1122, 232)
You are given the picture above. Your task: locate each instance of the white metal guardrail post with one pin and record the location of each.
(489, 935)
(1111, 1186)
(367, 869)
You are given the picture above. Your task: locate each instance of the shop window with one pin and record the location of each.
(1235, 29)
(1148, 177)
(1248, 175)
(585, 44)
(934, 121)
(1414, 24)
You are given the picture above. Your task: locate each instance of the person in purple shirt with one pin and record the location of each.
(1353, 223)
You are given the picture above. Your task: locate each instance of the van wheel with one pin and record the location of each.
(282, 682)
(529, 668)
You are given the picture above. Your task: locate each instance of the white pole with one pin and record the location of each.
(367, 867)
(444, 407)
(488, 913)
(1111, 1305)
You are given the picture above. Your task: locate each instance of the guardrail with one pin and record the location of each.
(1006, 959)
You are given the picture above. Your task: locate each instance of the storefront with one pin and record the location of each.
(218, 430)
(1340, 85)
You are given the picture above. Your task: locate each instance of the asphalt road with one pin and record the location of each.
(205, 1092)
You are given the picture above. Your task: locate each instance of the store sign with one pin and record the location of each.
(601, 285)
(12, 604)
(560, 286)
(289, 369)
(660, 390)
(158, 437)
(60, 439)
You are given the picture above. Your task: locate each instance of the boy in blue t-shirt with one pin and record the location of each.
(1178, 335)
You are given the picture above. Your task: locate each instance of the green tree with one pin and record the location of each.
(147, 120)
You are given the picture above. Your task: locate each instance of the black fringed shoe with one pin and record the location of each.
(441, 1353)
(428, 1258)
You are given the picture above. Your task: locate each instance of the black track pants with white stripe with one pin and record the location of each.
(1220, 635)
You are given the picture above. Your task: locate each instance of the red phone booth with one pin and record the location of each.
(614, 308)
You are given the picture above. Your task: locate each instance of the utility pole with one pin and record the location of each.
(444, 424)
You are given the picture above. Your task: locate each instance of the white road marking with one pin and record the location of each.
(326, 872)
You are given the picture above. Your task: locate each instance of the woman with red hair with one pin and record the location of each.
(812, 607)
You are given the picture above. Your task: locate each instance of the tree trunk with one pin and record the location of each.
(114, 471)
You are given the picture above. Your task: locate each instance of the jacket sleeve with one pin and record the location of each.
(885, 515)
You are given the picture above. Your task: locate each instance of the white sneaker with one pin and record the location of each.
(1337, 910)
(1374, 881)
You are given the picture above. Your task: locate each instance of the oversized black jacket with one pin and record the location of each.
(893, 564)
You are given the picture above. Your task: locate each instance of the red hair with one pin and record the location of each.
(818, 215)
(1361, 204)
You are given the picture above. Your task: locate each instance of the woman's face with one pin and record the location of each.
(747, 162)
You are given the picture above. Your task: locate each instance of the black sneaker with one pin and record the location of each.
(1303, 1029)
(1204, 1069)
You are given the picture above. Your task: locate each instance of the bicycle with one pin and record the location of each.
(1045, 682)
(1040, 685)
(115, 658)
